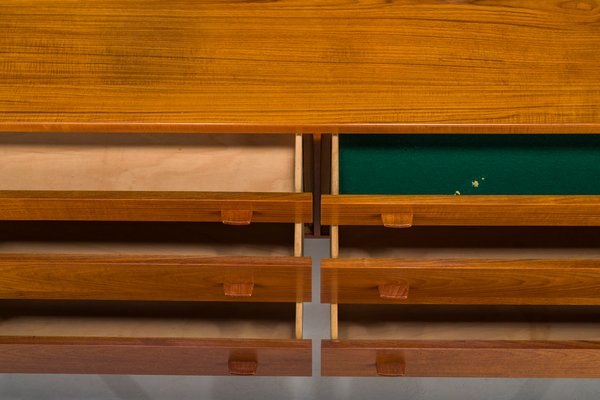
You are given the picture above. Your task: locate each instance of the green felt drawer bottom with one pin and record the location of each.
(470, 164)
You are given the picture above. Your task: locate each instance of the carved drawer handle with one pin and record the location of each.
(242, 367)
(238, 289)
(390, 368)
(397, 220)
(236, 217)
(394, 291)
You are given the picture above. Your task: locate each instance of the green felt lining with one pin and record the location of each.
(470, 164)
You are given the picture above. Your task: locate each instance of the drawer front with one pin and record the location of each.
(509, 359)
(403, 211)
(181, 278)
(460, 281)
(226, 207)
(149, 356)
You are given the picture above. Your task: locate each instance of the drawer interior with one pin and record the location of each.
(469, 164)
(121, 319)
(469, 242)
(146, 238)
(426, 322)
(147, 162)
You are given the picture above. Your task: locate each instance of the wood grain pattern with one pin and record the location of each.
(152, 356)
(492, 210)
(152, 206)
(462, 281)
(525, 66)
(130, 277)
(147, 162)
(510, 359)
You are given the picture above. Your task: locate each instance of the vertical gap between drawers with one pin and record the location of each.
(335, 245)
(298, 227)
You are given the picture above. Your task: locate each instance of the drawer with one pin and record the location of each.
(152, 261)
(178, 338)
(401, 181)
(464, 341)
(153, 298)
(463, 302)
(464, 265)
(234, 179)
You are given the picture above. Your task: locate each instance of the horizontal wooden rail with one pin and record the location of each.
(230, 208)
(155, 356)
(430, 210)
(461, 281)
(164, 278)
(493, 358)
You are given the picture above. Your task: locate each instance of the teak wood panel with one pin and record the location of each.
(156, 206)
(510, 359)
(155, 356)
(147, 162)
(424, 66)
(461, 281)
(404, 211)
(170, 278)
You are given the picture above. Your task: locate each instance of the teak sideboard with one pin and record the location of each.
(161, 163)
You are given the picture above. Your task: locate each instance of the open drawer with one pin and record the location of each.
(152, 298)
(152, 261)
(464, 341)
(179, 338)
(400, 181)
(463, 301)
(234, 179)
(464, 265)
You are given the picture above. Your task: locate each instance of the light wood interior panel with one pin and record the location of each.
(402, 322)
(150, 319)
(147, 238)
(469, 242)
(147, 162)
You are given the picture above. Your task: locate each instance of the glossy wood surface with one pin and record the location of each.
(492, 210)
(462, 281)
(499, 358)
(130, 277)
(153, 206)
(153, 356)
(524, 66)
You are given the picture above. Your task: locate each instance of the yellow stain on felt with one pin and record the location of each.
(475, 184)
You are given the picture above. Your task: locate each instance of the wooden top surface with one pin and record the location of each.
(311, 66)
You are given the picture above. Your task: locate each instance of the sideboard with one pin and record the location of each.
(161, 163)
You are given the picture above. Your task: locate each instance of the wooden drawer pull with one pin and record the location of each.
(236, 217)
(394, 291)
(238, 289)
(390, 368)
(397, 220)
(242, 367)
